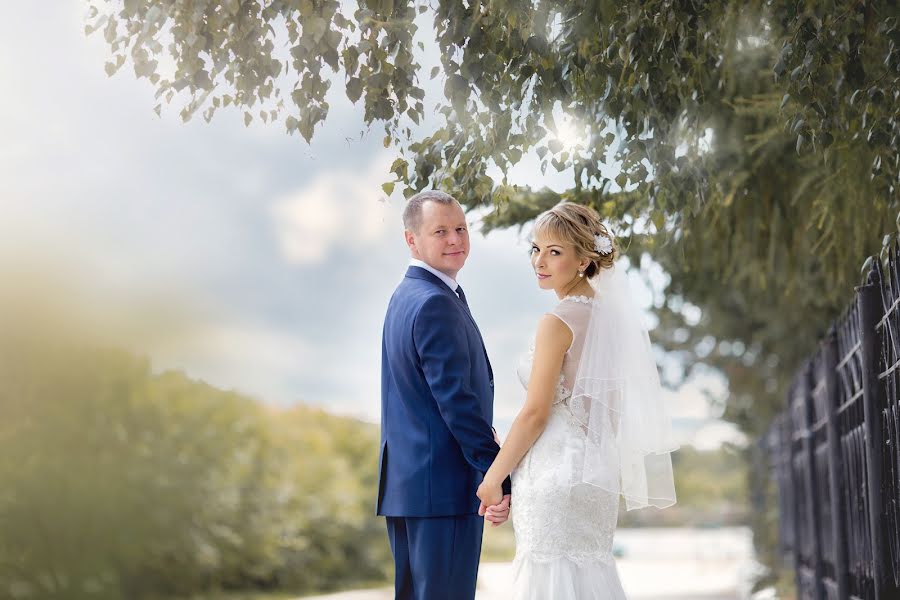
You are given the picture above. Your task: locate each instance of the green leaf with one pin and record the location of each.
(399, 167)
(340, 21)
(779, 68)
(354, 89)
(388, 187)
(315, 26)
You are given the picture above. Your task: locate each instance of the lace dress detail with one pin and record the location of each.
(564, 532)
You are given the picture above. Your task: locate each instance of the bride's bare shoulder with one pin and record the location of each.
(553, 333)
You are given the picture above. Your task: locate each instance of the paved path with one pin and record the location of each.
(658, 564)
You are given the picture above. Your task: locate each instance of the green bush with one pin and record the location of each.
(117, 482)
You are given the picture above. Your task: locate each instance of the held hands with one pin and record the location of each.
(494, 505)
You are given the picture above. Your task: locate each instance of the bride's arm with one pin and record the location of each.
(551, 342)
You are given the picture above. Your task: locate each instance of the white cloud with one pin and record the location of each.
(339, 207)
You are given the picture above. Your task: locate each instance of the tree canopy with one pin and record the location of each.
(757, 141)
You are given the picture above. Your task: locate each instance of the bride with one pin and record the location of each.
(593, 426)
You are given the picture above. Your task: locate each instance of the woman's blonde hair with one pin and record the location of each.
(578, 225)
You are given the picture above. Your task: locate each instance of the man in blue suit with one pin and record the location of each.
(437, 404)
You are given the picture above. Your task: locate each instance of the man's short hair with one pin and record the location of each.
(412, 213)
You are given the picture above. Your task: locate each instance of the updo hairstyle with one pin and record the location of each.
(579, 225)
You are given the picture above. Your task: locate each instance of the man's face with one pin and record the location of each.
(442, 240)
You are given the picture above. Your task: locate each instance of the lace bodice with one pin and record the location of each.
(574, 311)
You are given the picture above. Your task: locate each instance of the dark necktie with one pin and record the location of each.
(462, 295)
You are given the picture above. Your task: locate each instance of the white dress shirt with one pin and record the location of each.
(451, 283)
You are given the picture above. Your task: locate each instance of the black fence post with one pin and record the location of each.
(798, 485)
(836, 481)
(870, 313)
(779, 437)
(791, 515)
(808, 546)
(889, 380)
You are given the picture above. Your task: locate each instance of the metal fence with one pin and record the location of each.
(834, 452)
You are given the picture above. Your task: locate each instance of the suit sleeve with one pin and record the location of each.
(441, 344)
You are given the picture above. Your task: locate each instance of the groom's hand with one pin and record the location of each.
(498, 513)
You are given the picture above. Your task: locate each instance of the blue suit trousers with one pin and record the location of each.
(435, 558)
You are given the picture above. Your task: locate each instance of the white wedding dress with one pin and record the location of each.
(564, 532)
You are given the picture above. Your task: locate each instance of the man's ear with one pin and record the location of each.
(410, 239)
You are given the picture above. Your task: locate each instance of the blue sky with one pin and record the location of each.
(239, 254)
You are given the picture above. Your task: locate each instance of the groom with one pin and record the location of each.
(437, 397)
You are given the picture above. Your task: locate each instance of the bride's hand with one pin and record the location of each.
(490, 494)
(497, 515)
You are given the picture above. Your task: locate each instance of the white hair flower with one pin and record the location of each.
(603, 244)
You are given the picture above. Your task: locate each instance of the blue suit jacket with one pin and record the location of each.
(437, 403)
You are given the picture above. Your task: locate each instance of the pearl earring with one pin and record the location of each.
(581, 273)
